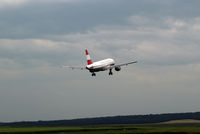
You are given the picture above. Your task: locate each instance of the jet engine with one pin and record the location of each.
(117, 68)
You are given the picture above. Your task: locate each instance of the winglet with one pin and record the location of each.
(89, 61)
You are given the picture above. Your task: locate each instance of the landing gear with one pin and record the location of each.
(110, 72)
(93, 74)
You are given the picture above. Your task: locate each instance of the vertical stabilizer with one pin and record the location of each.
(89, 61)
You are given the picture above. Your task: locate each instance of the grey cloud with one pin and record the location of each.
(38, 19)
(172, 44)
(37, 37)
(11, 3)
(169, 45)
(45, 90)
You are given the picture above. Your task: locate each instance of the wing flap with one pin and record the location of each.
(124, 64)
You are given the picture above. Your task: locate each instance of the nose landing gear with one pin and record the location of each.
(93, 74)
(110, 72)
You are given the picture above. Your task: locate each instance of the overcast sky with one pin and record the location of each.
(38, 36)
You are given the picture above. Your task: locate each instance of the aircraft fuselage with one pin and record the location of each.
(100, 65)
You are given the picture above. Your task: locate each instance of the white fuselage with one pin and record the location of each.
(100, 65)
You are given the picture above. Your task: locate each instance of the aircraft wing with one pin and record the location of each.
(74, 67)
(124, 64)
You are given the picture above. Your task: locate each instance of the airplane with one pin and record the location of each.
(102, 65)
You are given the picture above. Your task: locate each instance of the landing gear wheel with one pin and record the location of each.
(110, 73)
(93, 74)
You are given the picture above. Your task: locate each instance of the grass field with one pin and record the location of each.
(162, 128)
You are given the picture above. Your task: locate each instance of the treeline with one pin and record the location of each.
(130, 119)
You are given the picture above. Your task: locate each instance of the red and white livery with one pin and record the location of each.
(102, 65)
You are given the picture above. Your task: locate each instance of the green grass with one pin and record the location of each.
(117, 129)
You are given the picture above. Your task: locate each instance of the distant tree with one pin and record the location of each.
(129, 119)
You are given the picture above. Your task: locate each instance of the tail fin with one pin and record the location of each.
(89, 61)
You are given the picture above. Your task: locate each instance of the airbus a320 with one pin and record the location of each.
(102, 65)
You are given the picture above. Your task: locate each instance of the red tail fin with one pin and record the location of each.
(89, 61)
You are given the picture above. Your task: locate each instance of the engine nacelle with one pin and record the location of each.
(117, 68)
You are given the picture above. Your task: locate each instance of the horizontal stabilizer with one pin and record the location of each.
(74, 67)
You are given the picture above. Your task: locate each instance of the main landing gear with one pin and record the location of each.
(110, 72)
(93, 74)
